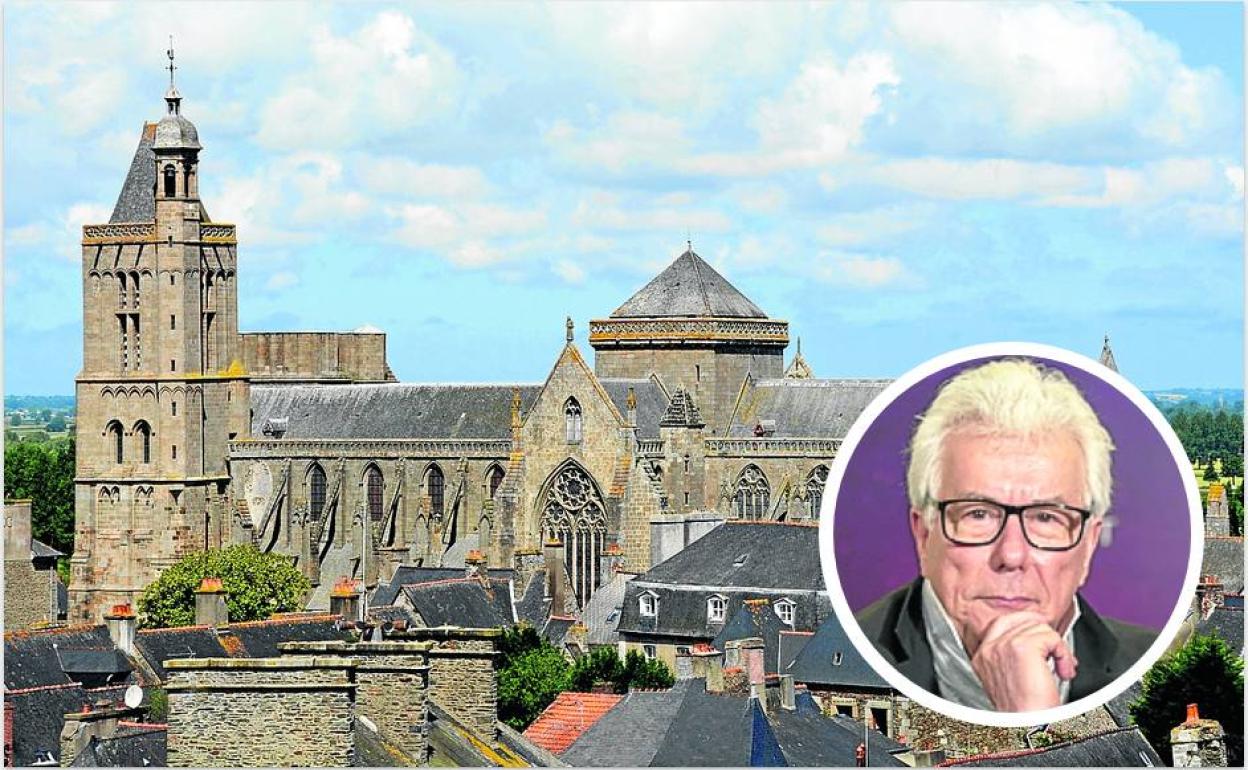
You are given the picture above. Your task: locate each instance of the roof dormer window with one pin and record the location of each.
(785, 611)
(716, 609)
(648, 604)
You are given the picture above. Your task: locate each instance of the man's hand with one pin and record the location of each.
(1012, 662)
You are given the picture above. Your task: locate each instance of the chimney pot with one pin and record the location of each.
(1193, 712)
(210, 608)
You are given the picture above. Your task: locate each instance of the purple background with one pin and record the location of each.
(1137, 578)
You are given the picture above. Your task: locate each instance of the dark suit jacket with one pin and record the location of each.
(1105, 648)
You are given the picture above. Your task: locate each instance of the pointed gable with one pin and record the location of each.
(1107, 355)
(689, 287)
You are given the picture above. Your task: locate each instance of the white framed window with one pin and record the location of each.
(784, 611)
(649, 605)
(716, 609)
(650, 651)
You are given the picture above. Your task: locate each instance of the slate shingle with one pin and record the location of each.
(651, 403)
(1224, 557)
(35, 658)
(1124, 747)
(688, 287)
(629, 734)
(260, 638)
(830, 659)
(158, 645)
(804, 408)
(131, 747)
(1227, 623)
(463, 602)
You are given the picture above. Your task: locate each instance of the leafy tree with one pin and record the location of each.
(1204, 671)
(157, 704)
(1233, 465)
(643, 674)
(603, 666)
(10, 436)
(532, 673)
(1235, 502)
(256, 584)
(44, 473)
(36, 437)
(1211, 473)
(56, 424)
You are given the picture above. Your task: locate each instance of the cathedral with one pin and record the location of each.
(194, 435)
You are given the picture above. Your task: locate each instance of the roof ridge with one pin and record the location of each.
(170, 629)
(697, 274)
(769, 523)
(42, 688)
(23, 633)
(445, 581)
(1039, 750)
(276, 621)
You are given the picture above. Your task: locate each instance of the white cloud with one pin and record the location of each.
(1235, 177)
(970, 179)
(613, 216)
(476, 254)
(409, 179)
(281, 280)
(760, 199)
(462, 233)
(876, 225)
(31, 234)
(569, 271)
(90, 100)
(387, 77)
(628, 139)
(861, 270)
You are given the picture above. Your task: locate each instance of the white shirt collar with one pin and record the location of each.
(954, 675)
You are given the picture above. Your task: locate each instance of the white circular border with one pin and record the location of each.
(827, 551)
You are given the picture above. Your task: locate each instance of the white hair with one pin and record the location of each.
(1015, 397)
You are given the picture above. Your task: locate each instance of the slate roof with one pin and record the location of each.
(571, 714)
(131, 747)
(137, 200)
(601, 615)
(804, 408)
(54, 656)
(389, 410)
(1228, 623)
(755, 619)
(1119, 707)
(651, 403)
(613, 740)
(791, 645)
(261, 637)
(556, 629)
(39, 550)
(816, 663)
(807, 738)
(39, 715)
(738, 561)
(463, 602)
(688, 287)
(532, 606)
(157, 645)
(1124, 747)
(386, 593)
(1224, 557)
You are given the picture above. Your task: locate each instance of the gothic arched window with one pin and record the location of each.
(171, 182)
(574, 514)
(494, 479)
(316, 491)
(115, 438)
(376, 485)
(572, 420)
(134, 288)
(815, 482)
(753, 494)
(144, 432)
(435, 484)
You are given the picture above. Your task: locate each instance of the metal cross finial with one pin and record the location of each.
(171, 68)
(569, 328)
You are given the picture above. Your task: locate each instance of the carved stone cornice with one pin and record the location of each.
(772, 447)
(612, 331)
(490, 449)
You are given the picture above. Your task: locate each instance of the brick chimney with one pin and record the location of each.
(1198, 742)
(121, 623)
(210, 607)
(344, 600)
(97, 720)
(474, 565)
(1209, 594)
(708, 664)
(553, 552)
(755, 668)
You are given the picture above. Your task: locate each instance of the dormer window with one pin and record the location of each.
(837, 657)
(784, 611)
(716, 609)
(648, 604)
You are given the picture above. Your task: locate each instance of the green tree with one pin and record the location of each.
(1211, 473)
(256, 585)
(36, 437)
(1205, 672)
(643, 674)
(56, 424)
(603, 666)
(44, 473)
(1233, 465)
(531, 674)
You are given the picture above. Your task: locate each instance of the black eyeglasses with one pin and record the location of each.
(1046, 526)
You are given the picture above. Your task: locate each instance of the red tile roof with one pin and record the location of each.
(571, 714)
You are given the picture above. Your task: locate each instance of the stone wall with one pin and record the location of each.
(279, 712)
(316, 357)
(29, 594)
(784, 475)
(462, 674)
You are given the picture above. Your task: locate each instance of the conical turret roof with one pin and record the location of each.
(689, 287)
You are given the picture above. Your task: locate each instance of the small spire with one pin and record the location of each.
(172, 98)
(568, 326)
(799, 346)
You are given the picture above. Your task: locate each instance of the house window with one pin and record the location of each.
(683, 649)
(173, 365)
(572, 420)
(784, 611)
(716, 608)
(650, 651)
(173, 323)
(435, 483)
(316, 491)
(815, 482)
(753, 494)
(649, 605)
(175, 451)
(375, 484)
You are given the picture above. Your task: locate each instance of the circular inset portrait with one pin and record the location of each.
(1008, 534)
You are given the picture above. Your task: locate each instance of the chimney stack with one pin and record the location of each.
(210, 609)
(474, 565)
(344, 600)
(553, 553)
(788, 694)
(121, 623)
(1209, 594)
(17, 529)
(708, 664)
(94, 721)
(1198, 742)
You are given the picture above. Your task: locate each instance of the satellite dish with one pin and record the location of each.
(134, 696)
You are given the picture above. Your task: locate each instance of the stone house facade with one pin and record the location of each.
(195, 435)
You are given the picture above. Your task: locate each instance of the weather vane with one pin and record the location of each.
(169, 53)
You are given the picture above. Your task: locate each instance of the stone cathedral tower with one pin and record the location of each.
(162, 389)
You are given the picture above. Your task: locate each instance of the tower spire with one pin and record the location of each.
(172, 98)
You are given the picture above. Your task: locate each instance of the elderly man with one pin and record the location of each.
(1009, 481)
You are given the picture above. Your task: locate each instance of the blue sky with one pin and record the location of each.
(894, 180)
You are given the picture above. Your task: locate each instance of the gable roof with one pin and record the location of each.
(688, 287)
(1124, 747)
(651, 402)
(260, 638)
(830, 659)
(463, 602)
(134, 745)
(39, 714)
(1224, 557)
(613, 739)
(741, 554)
(389, 410)
(804, 408)
(755, 618)
(682, 611)
(571, 714)
(58, 656)
(408, 574)
(601, 614)
(791, 645)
